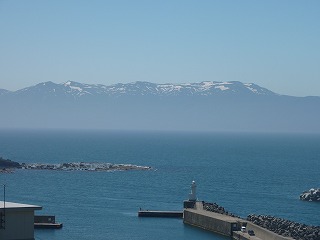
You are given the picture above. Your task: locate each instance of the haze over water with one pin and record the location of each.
(245, 173)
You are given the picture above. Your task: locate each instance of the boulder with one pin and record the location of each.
(313, 195)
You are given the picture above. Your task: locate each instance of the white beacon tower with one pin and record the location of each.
(192, 195)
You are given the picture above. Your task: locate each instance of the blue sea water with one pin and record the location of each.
(245, 173)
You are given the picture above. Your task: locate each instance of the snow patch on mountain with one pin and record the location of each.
(249, 86)
(76, 88)
(222, 87)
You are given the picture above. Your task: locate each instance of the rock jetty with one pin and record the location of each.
(313, 195)
(214, 207)
(83, 166)
(285, 227)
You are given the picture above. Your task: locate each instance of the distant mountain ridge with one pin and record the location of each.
(3, 91)
(203, 106)
(205, 88)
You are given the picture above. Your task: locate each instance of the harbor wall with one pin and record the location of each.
(227, 225)
(208, 223)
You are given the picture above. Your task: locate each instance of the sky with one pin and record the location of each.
(275, 44)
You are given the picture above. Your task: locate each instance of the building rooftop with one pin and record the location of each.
(12, 205)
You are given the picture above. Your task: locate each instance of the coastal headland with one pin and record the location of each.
(8, 166)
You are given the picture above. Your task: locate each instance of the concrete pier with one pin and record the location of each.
(161, 214)
(45, 221)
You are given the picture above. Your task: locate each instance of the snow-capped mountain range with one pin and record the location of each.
(203, 106)
(206, 88)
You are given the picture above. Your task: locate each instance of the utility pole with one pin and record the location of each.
(3, 213)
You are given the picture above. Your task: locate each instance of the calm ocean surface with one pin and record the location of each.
(245, 173)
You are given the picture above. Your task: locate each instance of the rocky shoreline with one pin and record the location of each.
(312, 195)
(285, 227)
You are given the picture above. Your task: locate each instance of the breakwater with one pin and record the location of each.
(83, 166)
(285, 227)
(212, 217)
(214, 207)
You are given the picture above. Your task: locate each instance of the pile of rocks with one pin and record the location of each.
(214, 207)
(6, 170)
(311, 195)
(285, 227)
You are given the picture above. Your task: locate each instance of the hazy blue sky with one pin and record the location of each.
(275, 44)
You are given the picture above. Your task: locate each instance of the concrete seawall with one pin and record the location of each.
(210, 221)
